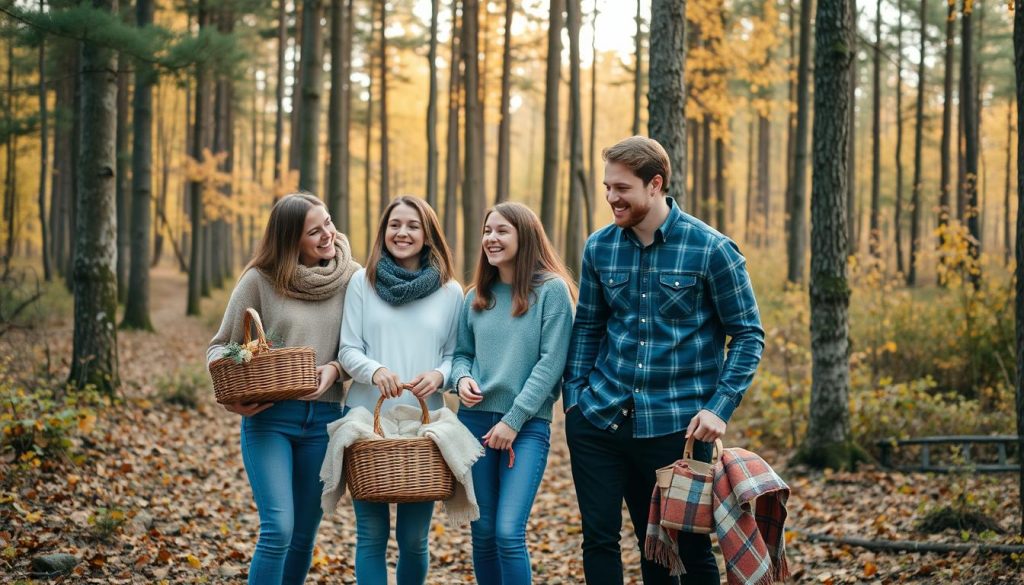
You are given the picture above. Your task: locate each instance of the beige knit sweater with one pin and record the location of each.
(295, 322)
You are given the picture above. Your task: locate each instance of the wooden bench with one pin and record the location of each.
(1003, 444)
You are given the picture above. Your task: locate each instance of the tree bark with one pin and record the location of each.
(297, 75)
(874, 235)
(797, 243)
(947, 126)
(136, 310)
(122, 178)
(915, 203)
(367, 153)
(590, 192)
(1007, 237)
(549, 184)
(764, 178)
(851, 168)
(638, 79)
(385, 162)
(338, 118)
(452, 179)
(707, 151)
(94, 358)
(971, 209)
(200, 139)
(1018, 52)
(748, 220)
(282, 44)
(10, 193)
(62, 179)
(44, 153)
(827, 443)
(720, 186)
(666, 98)
(504, 126)
(432, 151)
(790, 122)
(473, 196)
(312, 87)
(898, 208)
(695, 133)
(574, 225)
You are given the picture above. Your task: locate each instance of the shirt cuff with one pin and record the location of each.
(721, 405)
(516, 417)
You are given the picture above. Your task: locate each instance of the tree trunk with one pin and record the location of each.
(504, 127)
(385, 163)
(764, 177)
(451, 178)
(10, 193)
(827, 443)
(549, 185)
(705, 171)
(971, 209)
(874, 235)
(915, 202)
(432, 151)
(163, 146)
(695, 133)
(1007, 238)
(947, 127)
(367, 154)
(298, 61)
(851, 168)
(790, 122)
(338, 117)
(122, 179)
(94, 358)
(666, 98)
(1018, 52)
(797, 244)
(136, 310)
(312, 87)
(200, 139)
(574, 233)
(638, 72)
(62, 179)
(720, 186)
(473, 182)
(590, 193)
(282, 44)
(748, 220)
(898, 210)
(44, 153)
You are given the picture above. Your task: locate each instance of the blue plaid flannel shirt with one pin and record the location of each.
(651, 326)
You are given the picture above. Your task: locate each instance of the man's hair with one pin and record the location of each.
(644, 156)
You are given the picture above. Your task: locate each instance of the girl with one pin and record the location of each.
(299, 274)
(522, 294)
(398, 333)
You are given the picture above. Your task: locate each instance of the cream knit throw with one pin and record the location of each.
(457, 444)
(315, 283)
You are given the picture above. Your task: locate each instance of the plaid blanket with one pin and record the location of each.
(753, 543)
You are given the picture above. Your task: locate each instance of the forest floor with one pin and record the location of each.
(154, 492)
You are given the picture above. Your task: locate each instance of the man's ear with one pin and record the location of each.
(656, 184)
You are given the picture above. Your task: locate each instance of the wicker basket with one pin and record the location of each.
(271, 375)
(397, 471)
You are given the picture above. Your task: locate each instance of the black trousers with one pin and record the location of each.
(608, 467)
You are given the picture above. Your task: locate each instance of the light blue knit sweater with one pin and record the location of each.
(516, 361)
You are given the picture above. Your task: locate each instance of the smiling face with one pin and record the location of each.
(404, 236)
(318, 235)
(500, 241)
(627, 195)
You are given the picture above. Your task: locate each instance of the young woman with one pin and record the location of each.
(299, 274)
(398, 334)
(523, 296)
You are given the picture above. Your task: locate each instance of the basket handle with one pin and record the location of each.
(251, 317)
(424, 418)
(716, 452)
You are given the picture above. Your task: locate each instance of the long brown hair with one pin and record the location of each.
(277, 254)
(536, 261)
(433, 239)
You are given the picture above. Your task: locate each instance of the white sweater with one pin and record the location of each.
(408, 340)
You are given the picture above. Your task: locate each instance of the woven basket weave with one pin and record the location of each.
(397, 471)
(271, 375)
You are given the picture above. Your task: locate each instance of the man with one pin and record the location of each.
(659, 292)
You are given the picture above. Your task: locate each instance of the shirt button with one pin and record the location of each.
(615, 427)
(643, 295)
(611, 281)
(677, 283)
(643, 320)
(643, 343)
(636, 389)
(641, 366)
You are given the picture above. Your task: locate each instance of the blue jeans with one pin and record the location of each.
(373, 528)
(283, 448)
(505, 496)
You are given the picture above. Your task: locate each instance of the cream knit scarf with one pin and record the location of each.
(316, 283)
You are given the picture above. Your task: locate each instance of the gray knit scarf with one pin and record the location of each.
(316, 283)
(398, 286)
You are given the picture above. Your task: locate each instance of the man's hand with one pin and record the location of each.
(706, 426)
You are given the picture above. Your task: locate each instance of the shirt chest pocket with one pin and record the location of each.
(679, 295)
(615, 286)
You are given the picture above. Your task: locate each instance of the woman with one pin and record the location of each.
(399, 333)
(299, 274)
(522, 293)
